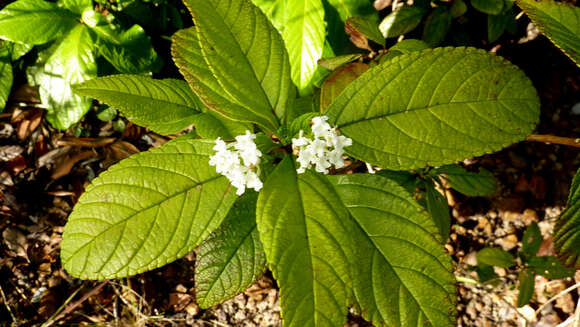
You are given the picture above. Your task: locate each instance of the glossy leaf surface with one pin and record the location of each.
(463, 102)
(305, 231)
(232, 258)
(146, 211)
(391, 287)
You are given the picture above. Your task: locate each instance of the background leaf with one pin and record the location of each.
(129, 51)
(469, 183)
(397, 258)
(495, 257)
(5, 73)
(532, 240)
(560, 22)
(339, 80)
(402, 21)
(549, 267)
(464, 102)
(305, 231)
(567, 229)
(354, 8)
(436, 205)
(70, 61)
(368, 28)
(232, 258)
(304, 34)
(490, 7)
(252, 68)
(165, 106)
(526, 279)
(35, 21)
(437, 26)
(146, 211)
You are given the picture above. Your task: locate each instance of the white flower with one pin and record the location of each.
(237, 161)
(322, 152)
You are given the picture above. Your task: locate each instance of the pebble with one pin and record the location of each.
(507, 243)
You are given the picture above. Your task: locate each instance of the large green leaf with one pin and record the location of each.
(304, 34)
(246, 59)
(232, 258)
(35, 21)
(275, 10)
(567, 230)
(165, 106)
(402, 276)
(210, 125)
(559, 21)
(469, 183)
(435, 107)
(146, 211)
(305, 231)
(129, 51)
(70, 61)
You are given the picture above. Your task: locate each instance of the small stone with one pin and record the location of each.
(501, 272)
(528, 312)
(529, 216)
(180, 288)
(507, 243)
(470, 259)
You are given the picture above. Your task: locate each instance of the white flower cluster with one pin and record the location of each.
(324, 151)
(237, 161)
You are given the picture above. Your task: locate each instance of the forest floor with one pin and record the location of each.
(43, 172)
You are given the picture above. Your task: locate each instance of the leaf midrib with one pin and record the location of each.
(427, 109)
(246, 59)
(111, 92)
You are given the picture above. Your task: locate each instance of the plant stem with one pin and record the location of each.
(552, 139)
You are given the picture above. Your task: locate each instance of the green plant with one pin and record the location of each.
(529, 265)
(440, 16)
(332, 241)
(69, 36)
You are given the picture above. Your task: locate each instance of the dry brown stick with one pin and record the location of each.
(75, 304)
(552, 139)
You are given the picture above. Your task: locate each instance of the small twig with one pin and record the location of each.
(577, 315)
(552, 139)
(352, 166)
(87, 142)
(555, 297)
(7, 306)
(74, 305)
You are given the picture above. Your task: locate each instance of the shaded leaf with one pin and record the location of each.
(354, 8)
(5, 76)
(526, 279)
(336, 62)
(458, 8)
(567, 229)
(129, 51)
(232, 258)
(469, 183)
(390, 287)
(438, 208)
(365, 27)
(402, 21)
(437, 25)
(35, 21)
(165, 106)
(409, 45)
(560, 22)
(339, 80)
(149, 209)
(497, 24)
(495, 257)
(305, 231)
(550, 267)
(532, 240)
(435, 107)
(490, 7)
